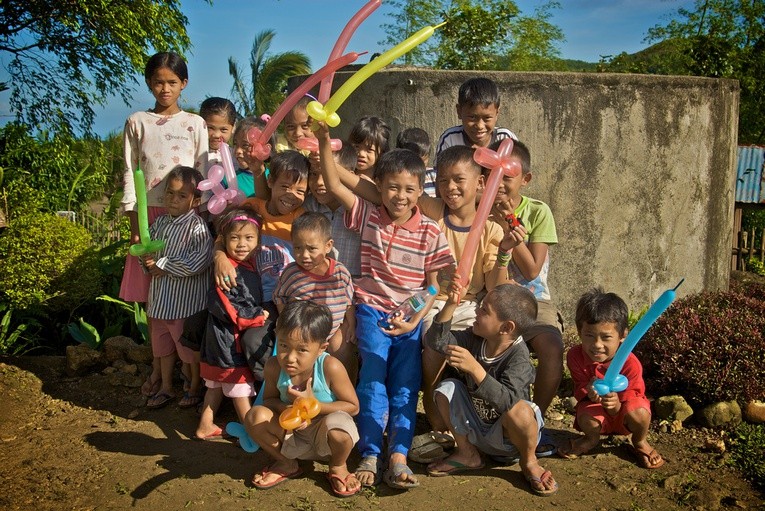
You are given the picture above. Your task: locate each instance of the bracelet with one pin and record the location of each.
(503, 259)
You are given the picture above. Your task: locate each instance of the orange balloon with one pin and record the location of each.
(302, 410)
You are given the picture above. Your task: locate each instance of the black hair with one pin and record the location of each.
(311, 320)
(219, 106)
(168, 59)
(457, 154)
(292, 163)
(597, 306)
(225, 223)
(515, 303)
(520, 151)
(371, 129)
(396, 161)
(416, 140)
(478, 91)
(346, 157)
(188, 175)
(313, 222)
(244, 125)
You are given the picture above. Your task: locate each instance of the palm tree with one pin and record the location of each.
(269, 76)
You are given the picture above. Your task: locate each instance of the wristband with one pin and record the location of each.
(503, 259)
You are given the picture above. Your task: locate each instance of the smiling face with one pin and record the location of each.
(242, 240)
(179, 197)
(399, 193)
(310, 250)
(458, 185)
(601, 340)
(166, 87)
(296, 355)
(218, 130)
(478, 122)
(319, 189)
(510, 187)
(286, 196)
(297, 125)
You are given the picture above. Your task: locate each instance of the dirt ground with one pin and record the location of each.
(79, 443)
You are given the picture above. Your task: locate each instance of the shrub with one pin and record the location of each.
(47, 262)
(707, 347)
(748, 452)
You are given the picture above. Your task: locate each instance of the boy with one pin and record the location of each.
(418, 141)
(302, 368)
(601, 321)
(529, 266)
(178, 289)
(401, 252)
(488, 409)
(477, 109)
(314, 276)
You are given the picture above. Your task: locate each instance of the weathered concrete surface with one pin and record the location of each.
(638, 170)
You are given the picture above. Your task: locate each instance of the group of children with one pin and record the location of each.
(311, 263)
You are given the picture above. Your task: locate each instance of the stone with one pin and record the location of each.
(754, 411)
(129, 369)
(81, 358)
(110, 370)
(140, 354)
(720, 414)
(116, 348)
(120, 379)
(570, 403)
(672, 408)
(713, 444)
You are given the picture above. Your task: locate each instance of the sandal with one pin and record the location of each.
(159, 400)
(370, 464)
(393, 473)
(644, 457)
(150, 388)
(342, 493)
(430, 447)
(188, 400)
(537, 484)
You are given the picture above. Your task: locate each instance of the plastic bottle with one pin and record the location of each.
(409, 308)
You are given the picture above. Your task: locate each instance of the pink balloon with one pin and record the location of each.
(214, 177)
(312, 144)
(500, 164)
(228, 166)
(258, 139)
(216, 205)
(342, 42)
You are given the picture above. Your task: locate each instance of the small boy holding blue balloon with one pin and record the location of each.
(601, 320)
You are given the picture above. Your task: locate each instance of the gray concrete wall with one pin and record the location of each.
(638, 170)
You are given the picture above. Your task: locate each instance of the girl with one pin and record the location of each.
(220, 116)
(250, 168)
(369, 137)
(296, 125)
(223, 363)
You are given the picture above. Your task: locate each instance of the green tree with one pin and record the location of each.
(535, 40)
(408, 17)
(269, 75)
(67, 56)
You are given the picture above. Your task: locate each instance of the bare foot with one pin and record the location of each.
(577, 447)
(343, 482)
(275, 473)
(368, 471)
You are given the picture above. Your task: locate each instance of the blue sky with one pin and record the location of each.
(226, 29)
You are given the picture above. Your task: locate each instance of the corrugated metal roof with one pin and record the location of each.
(749, 174)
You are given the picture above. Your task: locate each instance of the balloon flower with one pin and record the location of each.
(258, 139)
(328, 112)
(147, 246)
(342, 42)
(312, 144)
(500, 164)
(613, 381)
(302, 410)
(230, 172)
(221, 196)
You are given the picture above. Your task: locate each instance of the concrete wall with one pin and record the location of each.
(638, 170)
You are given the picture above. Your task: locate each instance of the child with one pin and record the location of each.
(369, 137)
(302, 368)
(401, 253)
(418, 141)
(529, 266)
(601, 321)
(180, 277)
(487, 408)
(232, 312)
(220, 116)
(146, 138)
(316, 277)
(250, 168)
(477, 109)
(297, 125)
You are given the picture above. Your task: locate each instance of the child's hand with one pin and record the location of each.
(321, 129)
(456, 291)
(611, 403)
(591, 394)
(265, 314)
(225, 275)
(460, 358)
(514, 236)
(148, 261)
(295, 393)
(399, 327)
(156, 271)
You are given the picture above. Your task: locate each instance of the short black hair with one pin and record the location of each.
(346, 157)
(219, 106)
(458, 154)
(478, 91)
(397, 161)
(370, 129)
(236, 216)
(414, 139)
(597, 306)
(313, 222)
(292, 163)
(313, 321)
(244, 125)
(188, 175)
(515, 303)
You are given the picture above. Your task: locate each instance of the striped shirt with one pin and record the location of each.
(186, 259)
(347, 242)
(430, 182)
(333, 289)
(456, 136)
(395, 259)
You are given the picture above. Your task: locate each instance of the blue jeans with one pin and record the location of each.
(389, 381)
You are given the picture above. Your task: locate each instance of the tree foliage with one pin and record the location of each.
(269, 74)
(408, 17)
(67, 56)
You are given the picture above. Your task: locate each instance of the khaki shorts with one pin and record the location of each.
(547, 316)
(311, 443)
(464, 315)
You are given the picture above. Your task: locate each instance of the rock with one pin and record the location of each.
(554, 415)
(135, 413)
(140, 354)
(80, 359)
(129, 369)
(754, 411)
(672, 408)
(720, 414)
(125, 380)
(570, 403)
(674, 483)
(116, 348)
(716, 445)
(109, 370)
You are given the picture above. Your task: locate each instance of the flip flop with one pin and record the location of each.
(545, 447)
(537, 486)
(190, 400)
(342, 493)
(215, 435)
(159, 400)
(392, 474)
(283, 476)
(370, 464)
(429, 447)
(148, 388)
(455, 467)
(644, 458)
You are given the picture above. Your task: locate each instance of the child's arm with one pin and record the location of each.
(399, 326)
(530, 258)
(329, 170)
(342, 333)
(223, 271)
(510, 386)
(340, 384)
(271, 399)
(262, 190)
